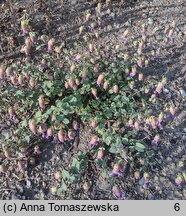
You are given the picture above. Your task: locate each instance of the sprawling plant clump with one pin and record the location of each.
(49, 97)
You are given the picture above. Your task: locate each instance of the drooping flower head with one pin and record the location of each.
(155, 140)
(93, 142)
(94, 92)
(100, 79)
(41, 101)
(51, 44)
(115, 89)
(32, 126)
(25, 27)
(61, 135)
(118, 193)
(117, 170)
(100, 154)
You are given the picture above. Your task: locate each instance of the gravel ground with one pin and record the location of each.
(65, 23)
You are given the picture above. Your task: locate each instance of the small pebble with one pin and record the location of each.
(165, 90)
(150, 21)
(28, 183)
(150, 197)
(183, 93)
(141, 181)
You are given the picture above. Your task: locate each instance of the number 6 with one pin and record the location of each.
(177, 207)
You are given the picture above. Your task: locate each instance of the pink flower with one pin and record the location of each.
(78, 57)
(66, 85)
(100, 79)
(61, 136)
(120, 195)
(146, 180)
(134, 72)
(131, 85)
(77, 82)
(140, 62)
(160, 118)
(13, 79)
(84, 75)
(115, 89)
(20, 80)
(100, 154)
(153, 122)
(57, 175)
(71, 134)
(32, 82)
(28, 42)
(94, 124)
(170, 35)
(93, 142)
(21, 166)
(105, 85)
(37, 150)
(137, 175)
(71, 82)
(72, 68)
(144, 37)
(49, 133)
(74, 87)
(58, 49)
(96, 70)
(173, 111)
(179, 180)
(140, 77)
(159, 88)
(94, 92)
(41, 101)
(11, 112)
(130, 123)
(116, 171)
(136, 125)
(139, 51)
(91, 48)
(27, 50)
(43, 129)
(155, 140)
(32, 126)
(2, 73)
(50, 44)
(75, 125)
(147, 130)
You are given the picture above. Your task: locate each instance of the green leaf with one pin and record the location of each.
(125, 140)
(49, 84)
(113, 149)
(24, 123)
(72, 99)
(27, 138)
(118, 141)
(65, 174)
(108, 114)
(75, 167)
(6, 134)
(63, 186)
(19, 94)
(40, 46)
(38, 116)
(66, 121)
(139, 147)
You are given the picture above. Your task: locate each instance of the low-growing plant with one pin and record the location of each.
(84, 84)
